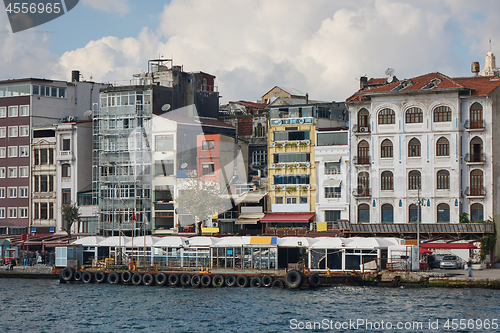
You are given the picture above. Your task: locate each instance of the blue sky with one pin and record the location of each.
(321, 47)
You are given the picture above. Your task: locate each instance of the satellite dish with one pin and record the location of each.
(390, 79)
(389, 71)
(88, 113)
(184, 165)
(165, 107)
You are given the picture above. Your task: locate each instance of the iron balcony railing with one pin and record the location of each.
(361, 160)
(365, 129)
(475, 158)
(361, 192)
(476, 191)
(479, 124)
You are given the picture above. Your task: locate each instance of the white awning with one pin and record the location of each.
(332, 183)
(250, 197)
(249, 218)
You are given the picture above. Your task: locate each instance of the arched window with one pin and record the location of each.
(442, 147)
(363, 183)
(387, 181)
(476, 182)
(443, 180)
(443, 212)
(413, 213)
(476, 116)
(260, 131)
(414, 115)
(386, 149)
(387, 213)
(363, 118)
(442, 114)
(386, 116)
(476, 212)
(414, 181)
(476, 150)
(363, 152)
(363, 213)
(414, 148)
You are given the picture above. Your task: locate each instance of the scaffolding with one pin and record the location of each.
(121, 173)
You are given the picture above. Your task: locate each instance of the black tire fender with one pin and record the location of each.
(230, 280)
(206, 281)
(173, 279)
(218, 281)
(148, 279)
(267, 281)
(195, 281)
(161, 278)
(242, 281)
(67, 273)
(126, 276)
(293, 279)
(186, 279)
(277, 284)
(77, 276)
(113, 278)
(87, 277)
(100, 276)
(314, 280)
(136, 279)
(256, 281)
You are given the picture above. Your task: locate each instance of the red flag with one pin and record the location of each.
(133, 215)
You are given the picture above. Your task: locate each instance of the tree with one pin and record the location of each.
(70, 214)
(202, 199)
(489, 242)
(464, 218)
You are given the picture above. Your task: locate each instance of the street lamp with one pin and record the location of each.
(420, 202)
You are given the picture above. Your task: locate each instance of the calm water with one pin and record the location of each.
(47, 306)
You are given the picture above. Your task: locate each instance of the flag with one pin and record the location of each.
(133, 216)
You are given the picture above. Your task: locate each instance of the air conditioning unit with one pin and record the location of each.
(215, 224)
(363, 129)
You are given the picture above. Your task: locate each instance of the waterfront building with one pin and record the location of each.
(424, 149)
(292, 172)
(26, 104)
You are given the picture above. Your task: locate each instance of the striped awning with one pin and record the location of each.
(249, 218)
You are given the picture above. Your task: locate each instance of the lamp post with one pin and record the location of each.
(419, 218)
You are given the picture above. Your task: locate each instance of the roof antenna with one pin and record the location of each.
(490, 44)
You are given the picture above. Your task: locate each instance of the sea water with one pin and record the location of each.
(49, 306)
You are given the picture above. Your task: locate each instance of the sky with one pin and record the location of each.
(320, 47)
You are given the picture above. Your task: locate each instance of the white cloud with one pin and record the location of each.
(120, 6)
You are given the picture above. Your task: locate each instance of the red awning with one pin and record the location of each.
(424, 251)
(287, 218)
(466, 246)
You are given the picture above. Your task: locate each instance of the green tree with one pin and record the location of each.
(202, 199)
(70, 214)
(464, 218)
(489, 242)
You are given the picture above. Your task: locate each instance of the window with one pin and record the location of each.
(363, 118)
(476, 150)
(332, 215)
(291, 200)
(25, 110)
(66, 145)
(208, 145)
(66, 196)
(279, 200)
(332, 139)
(23, 172)
(386, 116)
(332, 168)
(363, 183)
(291, 157)
(443, 213)
(442, 114)
(414, 180)
(163, 142)
(12, 213)
(260, 131)
(23, 191)
(363, 152)
(2, 172)
(2, 152)
(13, 151)
(2, 213)
(3, 132)
(12, 131)
(12, 172)
(13, 111)
(386, 149)
(414, 148)
(414, 115)
(66, 170)
(62, 92)
(413, 213)
(443, 180)
(24, 131)
(208, 168)
(3, 112)
(259, 157)
(291, 179)
(23, 212)
(2, 192)
(24, 151)
(291, 135)
(332, 192)
(387, 213)
(442, 147)
(164, 168)
(476, 182)
(476, 116)
(387, 181)
(476, 212)
(303, 200)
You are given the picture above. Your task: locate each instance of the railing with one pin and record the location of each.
(480, 124)
(477, 191)
(475, 158)
(361, 129)
(361, 192)
(333, 195)
(332, 171)
(361, 160)
(291, 121)
(286, 231)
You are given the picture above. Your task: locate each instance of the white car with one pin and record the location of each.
(451, 262)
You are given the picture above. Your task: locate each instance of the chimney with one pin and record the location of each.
(307, 98)
(475, 68)
(363, 82)
(75, 76)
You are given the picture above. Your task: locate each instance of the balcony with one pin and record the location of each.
(477, 191)
(359, 130)
(361, 160)
(291, 121)
(65, 155)
(474, 125)
(475, 158)
(362, 192)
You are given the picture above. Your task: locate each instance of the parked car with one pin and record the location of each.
(451, 261)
